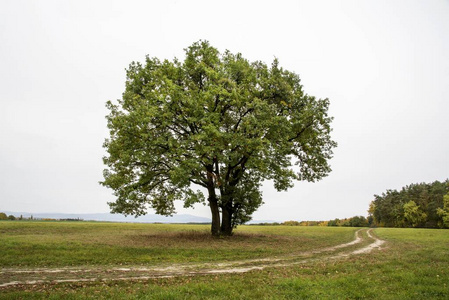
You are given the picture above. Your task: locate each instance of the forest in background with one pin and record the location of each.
(424, 205)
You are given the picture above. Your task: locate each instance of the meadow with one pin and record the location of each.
(411, 264)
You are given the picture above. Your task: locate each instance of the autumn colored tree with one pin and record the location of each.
(214, 123)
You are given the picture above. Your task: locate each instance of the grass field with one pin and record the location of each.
(49, 244)
(412, 264)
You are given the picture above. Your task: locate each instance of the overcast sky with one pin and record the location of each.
(384, 65)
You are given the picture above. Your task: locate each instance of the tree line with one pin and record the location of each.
(3, 216)
(356, 221)
(424, 205)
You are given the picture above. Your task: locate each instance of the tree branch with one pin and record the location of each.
(301, 132)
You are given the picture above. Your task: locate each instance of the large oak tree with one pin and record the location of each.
(214, 123)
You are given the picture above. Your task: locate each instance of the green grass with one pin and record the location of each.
(414, 264)
(53, 244)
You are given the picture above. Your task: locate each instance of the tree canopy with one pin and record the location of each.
(214, 123)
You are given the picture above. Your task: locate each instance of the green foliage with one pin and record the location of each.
(305, 223)
(444, 212)
(333, 222)
(357, 221)
(3, 216)
(217, 123)
(310, 223)
(416, 205)
(291, 223)
(413, 214)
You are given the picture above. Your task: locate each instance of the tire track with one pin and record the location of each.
(69, 275)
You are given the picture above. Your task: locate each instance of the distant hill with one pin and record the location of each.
(150, 218)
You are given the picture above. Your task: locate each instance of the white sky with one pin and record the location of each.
(383, 64)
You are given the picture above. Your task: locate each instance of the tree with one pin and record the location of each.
(333, 222)
(358, 221)
(413, 214)
(444, 212)
(388, 209)
(216, 124)
(3, 216)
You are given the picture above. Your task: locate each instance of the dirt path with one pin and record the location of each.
(360, 245)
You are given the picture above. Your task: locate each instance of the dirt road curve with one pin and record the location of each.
(360, 245)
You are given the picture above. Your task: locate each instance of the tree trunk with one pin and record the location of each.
(215, 228)
(226, 222)
(227, 211)
(213, 203)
